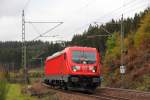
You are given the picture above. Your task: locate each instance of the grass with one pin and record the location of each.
(3, 89)
(14, 93)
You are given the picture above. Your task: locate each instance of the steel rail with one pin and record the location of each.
(125, 90)
(98, 96)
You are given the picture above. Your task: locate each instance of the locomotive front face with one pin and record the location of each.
(84, 62)
(85, 68)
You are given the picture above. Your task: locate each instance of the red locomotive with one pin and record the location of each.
(74, 68)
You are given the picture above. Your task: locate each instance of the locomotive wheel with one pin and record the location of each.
(65, 86)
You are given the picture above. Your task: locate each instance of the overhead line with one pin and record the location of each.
(98, 36)
(101, 17)
(127, 7)
(47, 31)
(111, 12)
(118, 9)
(51, 36)
(51, 29)
(128, 11)
(42, 22)
(86, 5)
(35, 28)
(133, 9)
(27, 3)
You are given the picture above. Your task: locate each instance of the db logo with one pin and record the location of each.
(85, 68)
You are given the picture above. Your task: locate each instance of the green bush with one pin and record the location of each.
(3, 89)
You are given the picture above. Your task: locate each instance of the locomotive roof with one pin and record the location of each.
(55, 55)
(63, 51)
(80, 47)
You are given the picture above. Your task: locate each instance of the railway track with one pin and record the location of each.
(124, 90)
(108, 97)
(97, 96)
(125, 93)
(105, 97)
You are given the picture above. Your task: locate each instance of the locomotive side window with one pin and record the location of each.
(87, 57)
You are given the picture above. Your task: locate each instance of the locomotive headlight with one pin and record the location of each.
(93, 71)
(92, 68)
(75, 68)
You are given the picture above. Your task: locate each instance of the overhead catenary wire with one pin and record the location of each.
(42, 22)
(37, 31)
(117, 10)
(47, 31)
(133, 9)
(135, 5)
(26, 4)
(79, 9)
(102, 28)
(51, 36)
(34, 27)
(129, 11)
(93, 36)
(126, 4)
(87, 4)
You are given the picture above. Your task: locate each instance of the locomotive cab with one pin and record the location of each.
(84, 68)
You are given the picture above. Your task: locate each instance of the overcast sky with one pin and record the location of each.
(76, 15)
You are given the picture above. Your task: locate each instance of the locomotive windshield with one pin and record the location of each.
(84, 57)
